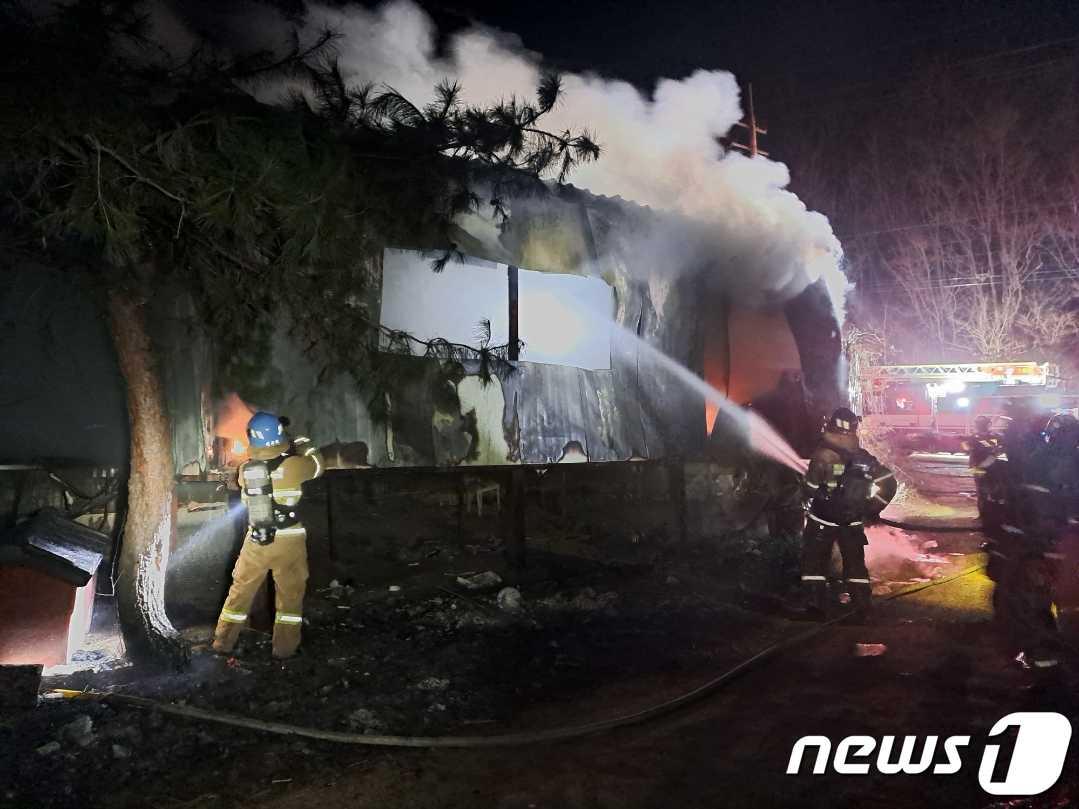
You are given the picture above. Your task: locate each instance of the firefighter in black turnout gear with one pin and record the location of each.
(1024, 554)
(846, 487)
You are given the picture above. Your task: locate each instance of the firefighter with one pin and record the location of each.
(845, 486)
(1062, 432)
(983, 450)
(276, 541)
(1028, 554)
(1022, 437)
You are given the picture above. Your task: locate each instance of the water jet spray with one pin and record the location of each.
(761, 437)
(205, 531)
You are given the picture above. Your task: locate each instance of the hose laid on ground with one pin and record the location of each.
(936, 529)
(502, 740)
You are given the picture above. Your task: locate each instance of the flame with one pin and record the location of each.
(230, 423)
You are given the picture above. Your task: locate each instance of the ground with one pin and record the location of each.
(591, 640)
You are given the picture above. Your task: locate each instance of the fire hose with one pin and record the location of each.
(499, 740)
(936, 529)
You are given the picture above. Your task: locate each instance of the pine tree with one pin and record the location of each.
(135, 169)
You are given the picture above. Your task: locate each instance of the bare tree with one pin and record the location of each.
(961, 218)
(971, 240)
(862, 348)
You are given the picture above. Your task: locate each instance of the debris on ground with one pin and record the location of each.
(79, 731)
(433, 684)
(509, 599)
(365, 721)
(480, 581)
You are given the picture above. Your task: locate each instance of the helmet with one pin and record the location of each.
(1062, 432)
(266, 430)
(842, 420)
(983, 423)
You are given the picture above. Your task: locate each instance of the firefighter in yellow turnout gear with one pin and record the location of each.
(276, 541)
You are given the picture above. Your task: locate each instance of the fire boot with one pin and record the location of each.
(816, 559)
(861, 595)
(815, 607)
(852, 544)
(228, 633)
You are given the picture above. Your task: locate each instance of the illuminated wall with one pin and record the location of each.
(562, 319)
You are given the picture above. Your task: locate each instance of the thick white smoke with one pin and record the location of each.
(660, 151)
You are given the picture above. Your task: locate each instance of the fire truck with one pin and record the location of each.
(931, 407)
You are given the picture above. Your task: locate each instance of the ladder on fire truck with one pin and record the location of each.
(1028, 373)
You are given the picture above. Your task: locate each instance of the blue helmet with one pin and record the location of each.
(265, 430)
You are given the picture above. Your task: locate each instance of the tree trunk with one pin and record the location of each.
(148, 634)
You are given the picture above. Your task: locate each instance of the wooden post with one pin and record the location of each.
(753, 148)
(514, 331)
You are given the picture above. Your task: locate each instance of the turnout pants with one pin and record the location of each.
(286, 558)
(1023, 602)
(817, 542)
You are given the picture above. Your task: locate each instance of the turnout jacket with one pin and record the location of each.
(300, 463)
(983, 449)
(828, 462)
(838, 500)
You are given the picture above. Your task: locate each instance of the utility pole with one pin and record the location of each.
(752, 149)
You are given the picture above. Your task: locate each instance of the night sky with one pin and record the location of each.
(806, 59)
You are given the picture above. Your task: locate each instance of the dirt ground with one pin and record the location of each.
(589, 640)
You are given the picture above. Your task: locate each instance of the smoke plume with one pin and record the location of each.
(659, 149)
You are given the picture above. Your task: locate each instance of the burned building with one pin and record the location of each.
(575, 277)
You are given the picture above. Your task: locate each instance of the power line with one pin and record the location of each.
(1063, 274)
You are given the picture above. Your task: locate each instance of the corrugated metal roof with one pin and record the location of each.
(53, 543)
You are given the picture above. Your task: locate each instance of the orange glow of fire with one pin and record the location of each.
(716, 366)
(230, 422)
